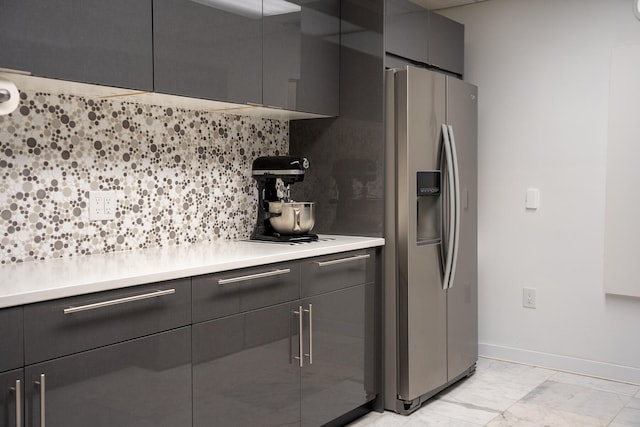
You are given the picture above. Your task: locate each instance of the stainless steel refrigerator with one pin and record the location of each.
(431, 338)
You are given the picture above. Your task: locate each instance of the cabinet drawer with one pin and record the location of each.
(337, 271)
(218, 295)
(70, 325)
(11, 338)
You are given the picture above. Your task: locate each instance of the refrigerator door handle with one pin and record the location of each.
(448, 264)
(456, 191)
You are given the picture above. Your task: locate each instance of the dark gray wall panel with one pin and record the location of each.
(347, 152)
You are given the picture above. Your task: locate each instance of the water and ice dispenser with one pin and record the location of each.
(429, 207)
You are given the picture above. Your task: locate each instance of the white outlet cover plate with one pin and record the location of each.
(102, 205)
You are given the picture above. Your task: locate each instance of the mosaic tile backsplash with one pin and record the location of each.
(180, 176)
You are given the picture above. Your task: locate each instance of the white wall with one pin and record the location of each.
(543, 67)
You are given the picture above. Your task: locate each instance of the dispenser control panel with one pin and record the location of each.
(428, 183)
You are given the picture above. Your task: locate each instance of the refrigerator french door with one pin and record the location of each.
(431, 337)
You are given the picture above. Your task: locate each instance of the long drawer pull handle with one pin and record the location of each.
(124, 300)
(310, 354)
(300, 347)
(254, 276)
(18, 391)
(43, 405)
(341, 260)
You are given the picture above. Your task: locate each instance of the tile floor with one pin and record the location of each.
(503, 394)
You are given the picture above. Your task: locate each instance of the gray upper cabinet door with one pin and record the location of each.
(11, 338)
(142, 382)
(244, 373)
(446, 43)
(301, 56)
(208, 49)
(419, 35)
(93, 41)
(11, 398)
(407, 30)
(339, 375)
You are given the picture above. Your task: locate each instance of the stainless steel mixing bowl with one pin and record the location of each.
(292, 217)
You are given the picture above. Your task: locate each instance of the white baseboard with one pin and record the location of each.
(592, 368)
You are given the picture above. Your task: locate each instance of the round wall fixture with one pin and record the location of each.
(636, 8)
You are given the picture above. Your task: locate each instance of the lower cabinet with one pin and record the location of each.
(138, 383)
(271, 367)
(244, 373)
(337, 336)
(11, 398)
(288, 344)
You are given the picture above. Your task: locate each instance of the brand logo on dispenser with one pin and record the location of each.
(429, 190)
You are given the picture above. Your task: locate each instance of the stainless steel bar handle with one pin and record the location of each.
(125, 300)
(254, 276)
(341, 260)
(42, 400)
(300, 349)
(18, 390)
(450, 238)
(310, 354)
(456, 187)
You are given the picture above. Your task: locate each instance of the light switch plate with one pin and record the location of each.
(532, 198)
(102, 205)
(529, 298)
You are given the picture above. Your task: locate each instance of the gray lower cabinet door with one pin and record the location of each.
(93, 41)
(244, 369)
(11, 398)
(208, 49)
(144, 382)
(339, 337)
(11, 338)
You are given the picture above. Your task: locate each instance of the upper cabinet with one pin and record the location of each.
(91, 41)
(208, 49)
(278, 53)
(301, 55)
(419, 35)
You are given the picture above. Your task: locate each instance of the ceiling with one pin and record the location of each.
(442, 4)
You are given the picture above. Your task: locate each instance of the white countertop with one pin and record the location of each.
(30, 282)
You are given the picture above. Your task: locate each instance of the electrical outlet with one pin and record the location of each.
(102, 205)
(529, 298)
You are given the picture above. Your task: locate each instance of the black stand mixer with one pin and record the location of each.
(267, 171)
